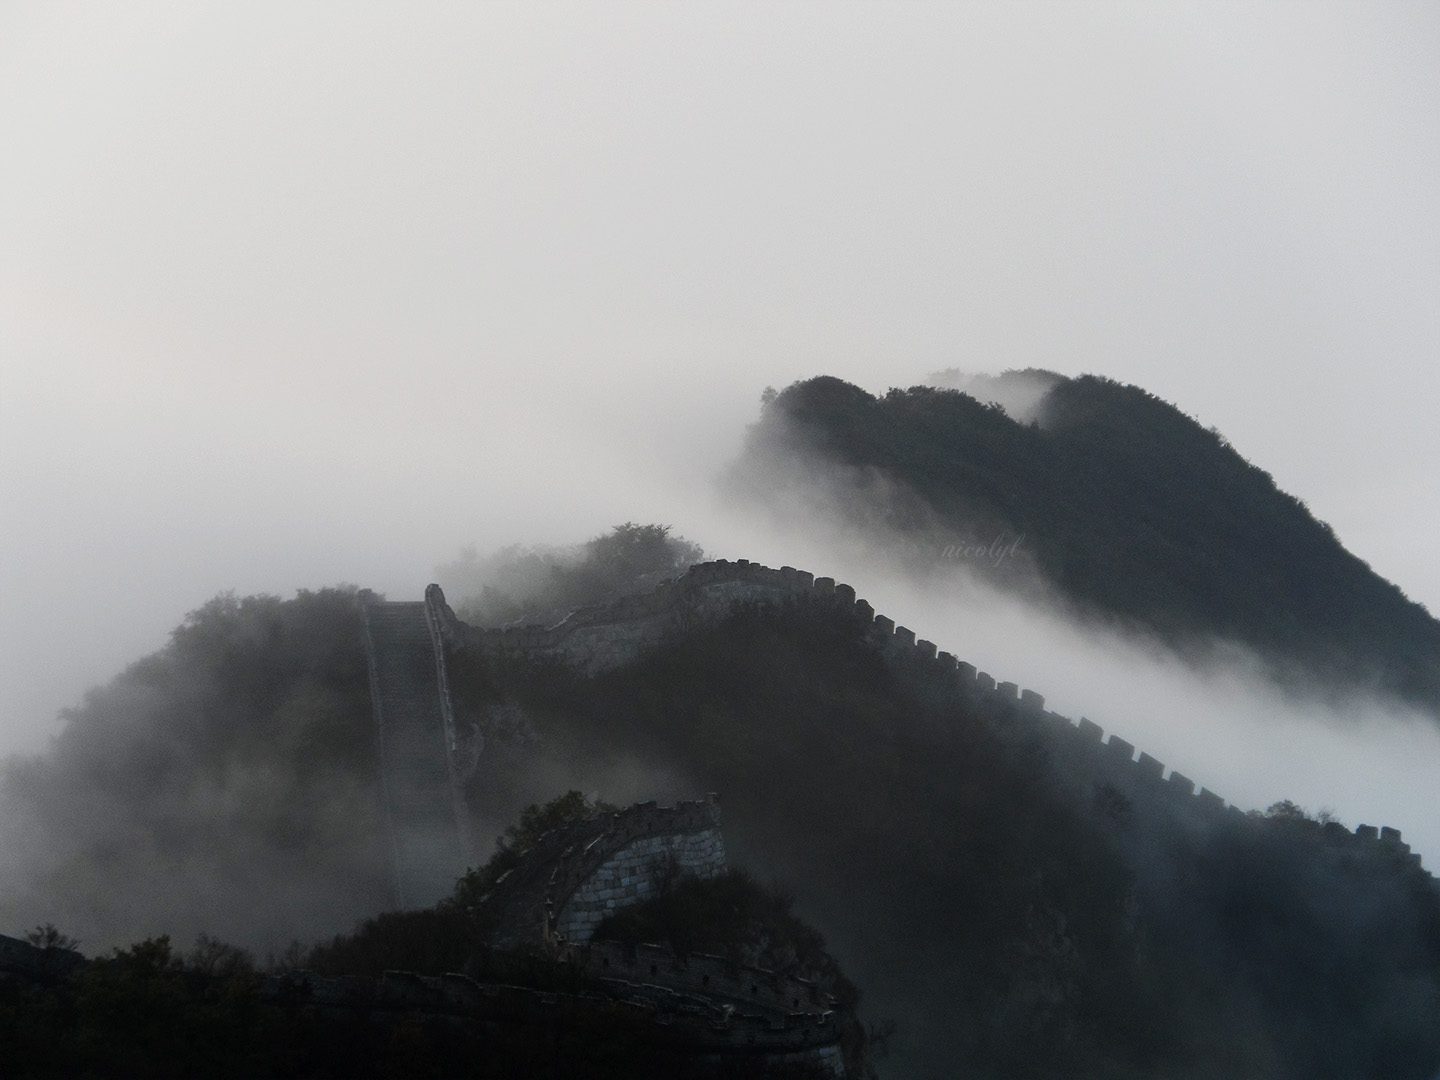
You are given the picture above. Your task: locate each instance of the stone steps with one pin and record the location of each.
(409, 706)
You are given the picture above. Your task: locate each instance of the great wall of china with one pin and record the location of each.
(572, 877)
(711, 1008)
(594, 639)
(415, 743)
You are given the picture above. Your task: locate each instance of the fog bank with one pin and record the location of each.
(297, 294)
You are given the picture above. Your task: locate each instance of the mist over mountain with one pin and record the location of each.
(1009, 908)
(1010, 905)
(299, 300)
(541, 584)
(1102, 498)
(226, 784)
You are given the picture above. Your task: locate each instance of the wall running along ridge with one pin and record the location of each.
(415, 739)
(634, 874)
(596, 638)
(574, 875)
(567, 882)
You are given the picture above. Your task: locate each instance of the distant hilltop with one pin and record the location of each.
(1129, 509)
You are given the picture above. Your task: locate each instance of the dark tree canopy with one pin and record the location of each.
(543, 584)
(1132, 509)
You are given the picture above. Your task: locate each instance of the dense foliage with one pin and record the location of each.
(146, 1011)
(1125, 504)
(226, 784)
(543, 584)
(1015, 918)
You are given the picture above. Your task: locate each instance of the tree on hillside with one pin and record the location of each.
(541, 584)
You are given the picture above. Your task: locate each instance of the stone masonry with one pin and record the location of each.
(573, 875)
(410, 699)
(636, 873)
(596, 638)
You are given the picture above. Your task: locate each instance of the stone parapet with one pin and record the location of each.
(603, 636)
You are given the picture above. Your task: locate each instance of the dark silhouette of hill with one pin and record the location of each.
(426, 993)
(1123, 505)
(1014, 912)
(226, 783)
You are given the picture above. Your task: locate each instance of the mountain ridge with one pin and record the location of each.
(1130, 510)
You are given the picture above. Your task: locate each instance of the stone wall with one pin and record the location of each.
(425, 813)
(604, 636)
(572, 876)
(634, 874)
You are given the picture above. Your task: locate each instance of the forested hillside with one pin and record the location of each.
(1011, 912)
(1010, 915)
(1113, 500)
(225, 784)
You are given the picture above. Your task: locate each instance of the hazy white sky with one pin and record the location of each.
(293, 294)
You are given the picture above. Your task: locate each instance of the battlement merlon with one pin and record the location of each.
(606, 635)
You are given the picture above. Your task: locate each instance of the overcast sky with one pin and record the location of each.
(293, 294)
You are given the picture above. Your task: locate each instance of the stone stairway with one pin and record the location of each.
(412, 718)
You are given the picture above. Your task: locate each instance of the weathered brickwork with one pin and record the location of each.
(636, 873)
(596, 638)
(575, 875)
(572, 876)
(415, 736)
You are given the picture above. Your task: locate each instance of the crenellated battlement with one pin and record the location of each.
(599, 637)
(573, 876)
(603, 636)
